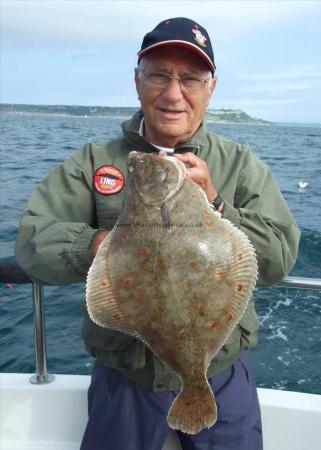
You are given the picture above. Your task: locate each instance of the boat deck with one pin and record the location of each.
(53, 416)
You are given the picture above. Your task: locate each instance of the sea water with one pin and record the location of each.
(288, 355)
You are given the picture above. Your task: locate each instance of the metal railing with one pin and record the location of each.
(300, 283)
(10, 272)
(41, 376)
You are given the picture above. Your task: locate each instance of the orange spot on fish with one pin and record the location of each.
(182, 333)
(110, 300)
(240, 257)
(117, 316)
(220, 274)
(230, 317)
(141, 300)
(200, 308)
(128, 282)
(192, 196)
(104, 283)
(151, 324)
(144, 252)
(213, 325)
(125, 237)
(239, 287)
(192, 263)
(187, 403)
(206, 212)
(160, 261)
(208, 225)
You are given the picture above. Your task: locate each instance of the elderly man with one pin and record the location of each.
(73, 209)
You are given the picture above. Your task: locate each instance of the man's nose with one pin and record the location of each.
(173, 90)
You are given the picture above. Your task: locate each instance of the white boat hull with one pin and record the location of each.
(54, 416)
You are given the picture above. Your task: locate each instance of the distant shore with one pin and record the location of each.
(212, 115)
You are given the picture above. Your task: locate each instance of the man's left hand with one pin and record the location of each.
(197, 171)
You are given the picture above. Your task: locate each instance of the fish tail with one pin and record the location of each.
(193, 410)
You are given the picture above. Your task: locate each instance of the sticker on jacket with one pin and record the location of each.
(108, 180)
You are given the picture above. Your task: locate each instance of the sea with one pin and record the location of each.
(288, 354)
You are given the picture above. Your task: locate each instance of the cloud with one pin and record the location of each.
(282, 81)
(277, 87)
(289, 74)
(81, 23)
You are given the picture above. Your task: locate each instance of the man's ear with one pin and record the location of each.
(213, 84)
(137, 81)
(212, 88)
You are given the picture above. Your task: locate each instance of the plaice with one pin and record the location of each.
(175, 275)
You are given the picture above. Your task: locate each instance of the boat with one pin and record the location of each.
(49, 412)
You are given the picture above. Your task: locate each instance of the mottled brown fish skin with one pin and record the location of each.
(181, 278)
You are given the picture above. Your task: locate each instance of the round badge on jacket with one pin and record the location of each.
(108, 180)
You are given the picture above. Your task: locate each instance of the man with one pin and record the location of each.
(73, 209)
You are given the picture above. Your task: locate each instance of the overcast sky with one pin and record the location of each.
(83, 52)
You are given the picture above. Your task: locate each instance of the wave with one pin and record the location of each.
(308, 261)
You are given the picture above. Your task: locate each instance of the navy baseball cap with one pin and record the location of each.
(181, 32)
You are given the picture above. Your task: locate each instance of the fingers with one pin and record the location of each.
(198, 172)
(191, 160)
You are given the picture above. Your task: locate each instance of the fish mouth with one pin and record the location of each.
(131, 158)
(137, 160)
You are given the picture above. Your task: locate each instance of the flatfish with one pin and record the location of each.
(174, 274)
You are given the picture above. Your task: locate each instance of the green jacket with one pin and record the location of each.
(65, 213)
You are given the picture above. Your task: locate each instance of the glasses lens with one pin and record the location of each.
(192, 84)
(157, 79)
(161, 80)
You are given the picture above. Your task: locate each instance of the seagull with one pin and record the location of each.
(303, 184)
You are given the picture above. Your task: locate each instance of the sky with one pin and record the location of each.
(83, 52)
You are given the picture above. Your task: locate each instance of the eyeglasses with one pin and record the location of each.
(160, 80)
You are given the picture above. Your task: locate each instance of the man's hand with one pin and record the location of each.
(98, 240)
(197, 171)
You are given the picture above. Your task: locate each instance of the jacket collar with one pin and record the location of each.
(130, 131)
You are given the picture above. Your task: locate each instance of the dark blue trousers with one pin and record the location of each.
(124, 415)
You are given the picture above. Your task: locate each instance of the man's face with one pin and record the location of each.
(173, 115)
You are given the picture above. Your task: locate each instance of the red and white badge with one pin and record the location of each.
(108, 180)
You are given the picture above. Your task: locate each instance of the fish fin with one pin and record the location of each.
(102, 305)
(243, 273)
(193, 410)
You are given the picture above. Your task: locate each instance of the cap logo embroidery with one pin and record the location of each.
(108, 180)
(199, 37)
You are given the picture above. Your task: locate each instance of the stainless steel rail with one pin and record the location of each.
(300, 283)
(12, 273)
(41, 376)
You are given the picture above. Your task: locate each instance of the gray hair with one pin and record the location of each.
(142, 63)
